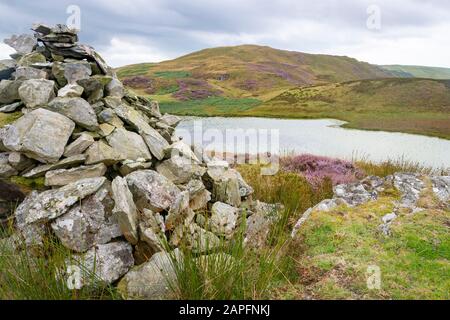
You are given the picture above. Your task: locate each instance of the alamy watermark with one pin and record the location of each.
(74, 19)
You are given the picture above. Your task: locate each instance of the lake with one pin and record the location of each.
(319, 137)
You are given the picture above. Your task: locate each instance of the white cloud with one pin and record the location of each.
(122, 51)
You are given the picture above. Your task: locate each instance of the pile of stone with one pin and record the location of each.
(122, 189)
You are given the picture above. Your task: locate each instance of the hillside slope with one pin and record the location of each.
(418, 72)
(405, 105)
(243, 71)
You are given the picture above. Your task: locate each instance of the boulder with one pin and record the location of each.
(9, 91)
(100, 151)
(125, 209)
(83, 142)
(224, 219)
(62, 177)
(87, 224)
(11, 107)
(23, 43)
(153, 280)
(40, 135)
(224, 185)
(69, 162)
(410, 185)
(32, 233)
(115, 89)
(179, 210)
(7, 68)
(6, 170)
(180, 170)
(70, 91)
(129, 144)
(76, 109)
(171, 120)
(75, 71)
(441, 187)
(37, 92)
(181, 149)
(19, 161)
(129, 166)
(31, 59)
(152, 230)
(152, 190)
(108, 262)
(155, 142)
(29, 73)
(51, 204)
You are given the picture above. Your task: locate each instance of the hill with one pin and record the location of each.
(405, 105)
(418, 72)
(241, 72)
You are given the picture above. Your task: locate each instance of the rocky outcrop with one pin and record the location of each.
(411, 187)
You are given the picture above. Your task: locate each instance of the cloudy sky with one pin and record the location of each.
(414, 32)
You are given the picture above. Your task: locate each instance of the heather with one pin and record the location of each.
(318, 168)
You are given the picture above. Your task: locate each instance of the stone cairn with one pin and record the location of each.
(122, 191)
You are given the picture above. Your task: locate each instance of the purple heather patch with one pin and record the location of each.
(317, 168)
(195, 89)
(138, 82)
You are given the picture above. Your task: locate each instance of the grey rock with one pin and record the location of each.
(52, 204)
(62, 177)
(389, 217)
(410, 185)
(200, 200)
(7, 68)
(180, 170)
(152, 230)
(19, 161)
(40, 135)
(224, 185)
(37, 92)
(31, 59)
(23, 43)
(6, 170)
(152, 190)
(181, 149)
(224, 219)
(154, 280)
(125, 209)
(178, 210)
(155, 142)
(115, 89)
(76, 109)
(29, 73)
(86, 225)
(100, 151)
(11, 107)
(108, 262)
(69, 162)
(441, 187)
(31, 233)
(83, 142)
(129, 167)
(9, 91)
(171, 120)
(76, 71)
(355, 193)
(129, 144)
(71, 91)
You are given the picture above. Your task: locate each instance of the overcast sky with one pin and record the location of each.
(414, 32)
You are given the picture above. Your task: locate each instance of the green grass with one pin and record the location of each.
(38, 274)
(209, 106)
(134, 70)
(419, 71)
(172, 74)
(334, 250)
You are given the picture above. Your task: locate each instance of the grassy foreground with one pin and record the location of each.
(328, 260)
